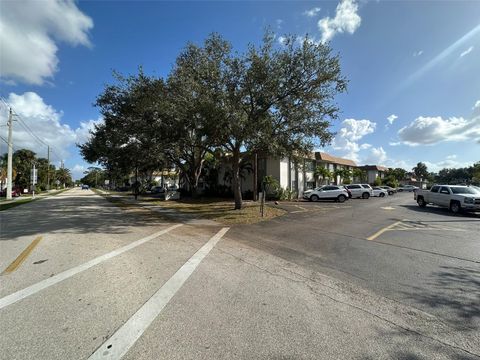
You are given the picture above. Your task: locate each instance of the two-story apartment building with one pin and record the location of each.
(374, 171)
(295, 174)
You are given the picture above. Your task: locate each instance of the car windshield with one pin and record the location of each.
(463, 190)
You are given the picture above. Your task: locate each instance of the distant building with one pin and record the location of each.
(333, 163)
(374, 171)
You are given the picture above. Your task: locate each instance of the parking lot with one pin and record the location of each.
(379, 278)
(388, 245)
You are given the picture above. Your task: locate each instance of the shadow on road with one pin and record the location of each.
(441, 211)
(457, 291)
(411, 355)
(78, 214)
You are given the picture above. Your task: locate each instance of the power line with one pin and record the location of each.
(6, 142)
(24, 125)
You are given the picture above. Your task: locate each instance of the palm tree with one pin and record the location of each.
(345, 174)
(323, 172)
(359, 174)
(64, 176)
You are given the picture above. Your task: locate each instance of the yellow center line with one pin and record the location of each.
(21, 258)
(381, 231)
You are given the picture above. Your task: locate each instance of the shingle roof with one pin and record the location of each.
(333, 159)
(374, 167)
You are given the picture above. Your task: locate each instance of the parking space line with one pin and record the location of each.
(22, 294)
(127, 335)
(22, 257)
(381, 231)
(407, 225)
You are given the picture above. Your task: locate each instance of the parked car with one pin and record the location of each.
(409, 188)
(389, 189)
(378, 191)
(348, 191)
(363, 191)
(157, 189)
(456, 197)
(327, 192)
(476, 188)
(15, 193)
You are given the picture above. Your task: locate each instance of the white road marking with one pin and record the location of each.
(124, 338)
(22, 294)
(387, 208)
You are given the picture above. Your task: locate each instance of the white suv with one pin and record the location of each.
(363, 191)
(327, 192)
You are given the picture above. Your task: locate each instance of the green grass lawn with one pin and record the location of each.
(222, 210)
(12, 204)
(219, 210)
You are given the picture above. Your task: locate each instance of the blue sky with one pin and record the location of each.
(414, 67)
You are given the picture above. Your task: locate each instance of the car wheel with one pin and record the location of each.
(365, 195)
(421, 202)
(314, 198)
(390, 193)
(455, 207)
(341, 198)
(382, 195)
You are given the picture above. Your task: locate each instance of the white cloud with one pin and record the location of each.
(432, 130)
(347, 138)
(392, 118)
(417, 53)
(466, 52)
(78, 170)
(449, 162)
(312, 12)
(346, 20)
(281, 40)
(376, 156)
(82, 134)
(46, 123)
(477, 105)
(279, 23)
(29, 32)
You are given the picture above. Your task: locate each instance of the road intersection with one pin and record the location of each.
(107, 282)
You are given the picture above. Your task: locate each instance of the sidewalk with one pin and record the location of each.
(30, 197)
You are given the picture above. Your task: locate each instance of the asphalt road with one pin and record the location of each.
(103, 282)
(429, 259)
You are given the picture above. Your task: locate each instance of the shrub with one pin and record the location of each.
(288, 194)
(378, 181)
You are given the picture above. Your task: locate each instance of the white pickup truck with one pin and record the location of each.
(456, 197)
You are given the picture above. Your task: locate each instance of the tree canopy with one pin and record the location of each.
(270, 99)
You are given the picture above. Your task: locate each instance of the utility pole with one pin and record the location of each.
(10, 154)
(34, 180)
(48, 167)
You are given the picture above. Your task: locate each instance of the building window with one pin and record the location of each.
(309, 165)
(310, 185)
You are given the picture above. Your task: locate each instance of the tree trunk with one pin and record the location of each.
(136, 183)
(194, 188)
(194, 178)
(237, 191)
